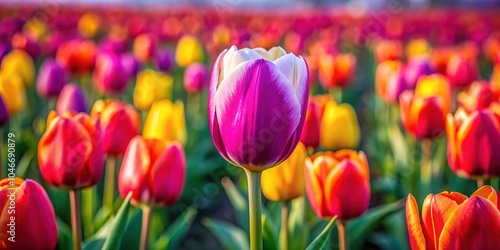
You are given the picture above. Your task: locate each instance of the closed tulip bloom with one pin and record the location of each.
(152, 86)
(77, 57)
(189, 50)
(285, 182)
(13, 92)
(383, 72)
(338, 184)
(110, 75)
(417, 48)
(35, 224)
(396, 85)
(154, 170)
(440, 57)
(450, 220)
(416, 68)
(145, 46)
(257, 104)
(26, 43)
(388, 50)
(469, 132)
(89, 24)
(4, 114)
(72, 98)
(120, 123)
(339, 127)
(461, 71)
(51, 79)
(478, 96)
(70, 153)
(165, 61)
(337, 71)
(196, 77)
(422, 116)
(18, 62)
(310, 132)
(165, 121)
(435, 85)
(130, 64)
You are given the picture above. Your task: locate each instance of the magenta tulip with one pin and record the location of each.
(51, 79)
(196, 77)
(71, 98)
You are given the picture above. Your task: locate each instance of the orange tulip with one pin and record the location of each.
(478, 96)
(338, 184)
(388, 50)
(336, 71)
(495, 80)
(440, 57)
(145, 46)
(453, 221)
(77, 56)
(383, 74)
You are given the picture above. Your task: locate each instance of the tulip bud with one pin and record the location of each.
(189, 50)
(51, 79)
(196, 77)
(435, 85)
(120, 123)
(77, 56)
(130, 64)
(70, 153)
(72, 98)
(152, 86)
(310, 132)
(4, 114)
(388, 50)
(165, 61)
(257, 105)
(338, 184)
(339, 127)
(13, 92)
(18, 62)
(165, 121)
(154, 170)
(423, 117)
(461, 71)
(337, 71)
(28, 216)
(478, 96)
(385, 70)
(88, 24)
(416, 68)
(145, 46)
(110, 75)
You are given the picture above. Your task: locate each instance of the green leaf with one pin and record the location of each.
(296, 223)
(115, 234)
(239, 202)
(172, 237)
(269, 233)
(65, 240)
(229, 236)
(323, 238)
(97, 240)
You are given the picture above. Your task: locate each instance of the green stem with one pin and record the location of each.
(284, 225)
(342, 235)
(75, 219)
(255, 202)
(426, 169)
(109, 184)
(146, 221)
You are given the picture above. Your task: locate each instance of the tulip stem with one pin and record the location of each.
(341, 225)
(284, 225)
(480, 182)
(426, 169)
(75, 219)
(255, 201)
(109, 184)
(146, 220)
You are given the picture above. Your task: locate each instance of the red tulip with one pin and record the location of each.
(461, 71)
(310, 136)
(337, 71)
(478, 96)
(77, 56)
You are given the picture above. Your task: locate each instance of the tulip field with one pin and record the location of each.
(221, 127)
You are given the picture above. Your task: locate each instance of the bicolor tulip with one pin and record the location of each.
(72, 98)
(18, 62)
(152, 86)
(388, 50)
(166, 121)
(110, 74)
(416, 68)
(461, 71)
(165, 61)
(51, 79)
(338, 184)
(339, 127)
(26, 216)
(77, 56)
(120, 123)
(440, 57)
(13, 92)
(285, 182)
(145, 46)
(154, 170)
(435, 85)
(4, 113)
(479, 96)
(474, 142)
(196, 77)
(337, 71)
(189, 50)
(451, 220)
(89, 24)
(384, 71)
(267, 91)
(70, 153)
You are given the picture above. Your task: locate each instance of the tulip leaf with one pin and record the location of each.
(269, 233)
(239, 203)
(113, 239)
(65, 236)
(172, 237)
(97, 240)
(296, 223)
(323, 238)
(229, 236)
(132, 230)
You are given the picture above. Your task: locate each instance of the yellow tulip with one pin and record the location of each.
(88, 24)
(339, 127)
(435, 85)
(417, 47)
(13, 92)
(189, 50)
(285, 182)
(35, 28)
(18, 62)
(165, 121)
(152, 86)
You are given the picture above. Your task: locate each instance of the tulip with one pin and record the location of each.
(388, 50)
(152, 86)
(88, 24)
(384, 71)
(310, 132)
(196, 77)
(338, 184)
(26, 43)
(453, 221)
(4, 114)
(396, 85)
(165, 121)
(339, 127)
(165, 61)
(416, 68)
(440, 57)
(77, 56)
(130, 64)
(18, 62)
(474, 142)
(34, 225)
(113, 45)
(461, 71)
(337, 71)
(110, 75)
(13, 92)
(5, 47)
(72, 98)
(70, 153)
(145, 46)
(495, 80)
(435, 85)
(417, 48)
(35, 28)
(479, 96)
(51, 79)
(189, 50)
(120, 123)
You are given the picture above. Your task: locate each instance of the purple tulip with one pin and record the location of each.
(417, 67)
(257, 103)
(4, 48)
(165, 61)
(196, 77)
(110, 74)
(71, 98)
(51, 79)
(131, 64)
(4, 114)
(396, 84)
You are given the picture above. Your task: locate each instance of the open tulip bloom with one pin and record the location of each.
(256, 106)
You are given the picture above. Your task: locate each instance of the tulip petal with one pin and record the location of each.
(487, 192)
(135, 168)
(415, 232)
(314, 189)
(440, 208)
